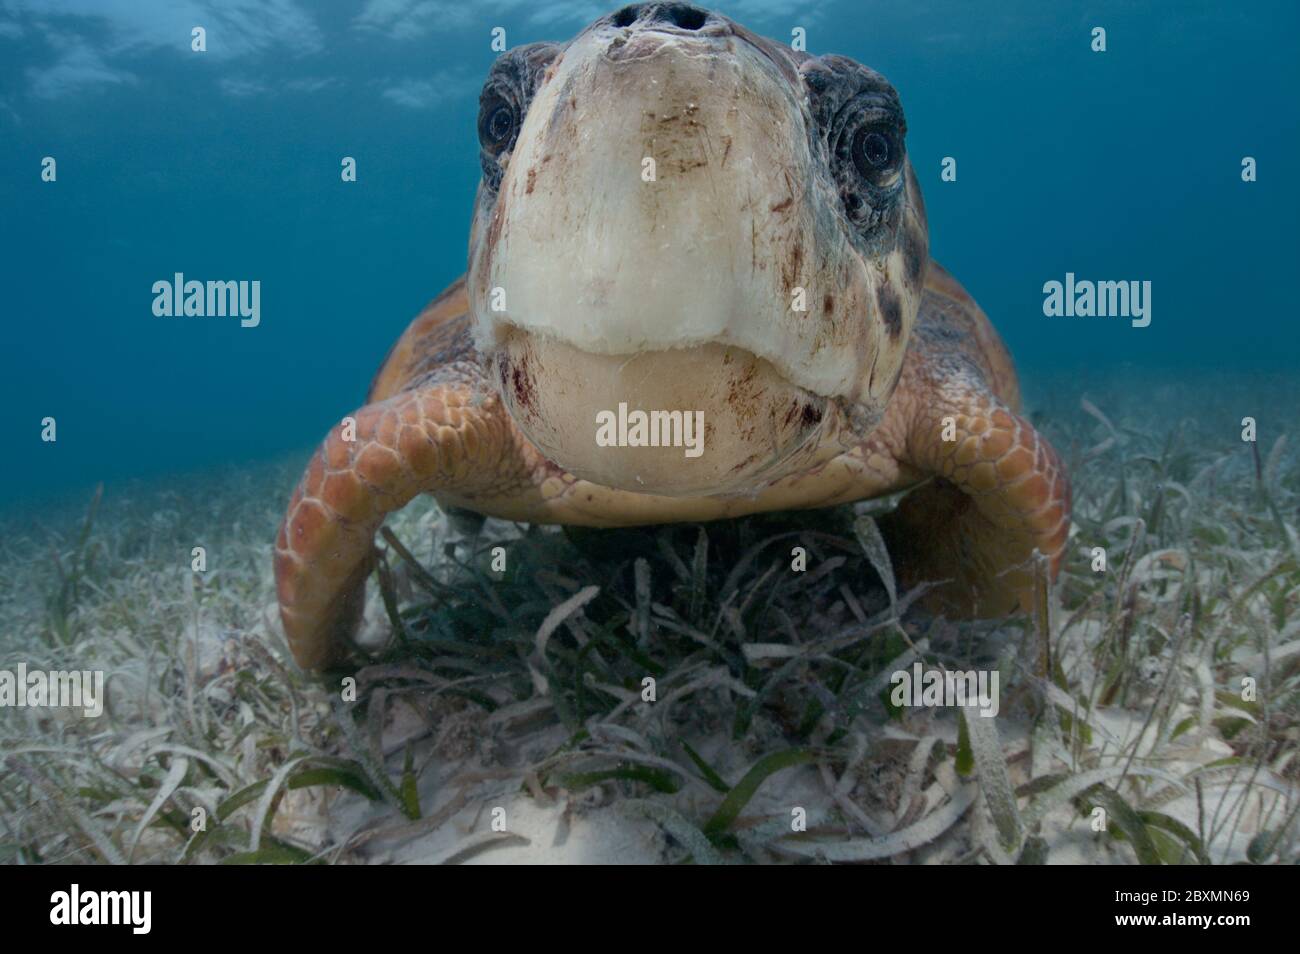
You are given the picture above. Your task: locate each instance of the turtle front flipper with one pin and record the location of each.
(997, 494)
(436, 438)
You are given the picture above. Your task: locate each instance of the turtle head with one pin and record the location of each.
(677, 215)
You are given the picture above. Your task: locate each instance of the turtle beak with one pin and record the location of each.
(662, 193)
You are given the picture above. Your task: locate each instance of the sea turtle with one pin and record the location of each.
(682, 219)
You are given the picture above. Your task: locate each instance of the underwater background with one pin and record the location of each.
(1121, 165)
(1157, 680)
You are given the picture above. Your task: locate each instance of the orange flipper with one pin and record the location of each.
(998, 493)
(422, 440)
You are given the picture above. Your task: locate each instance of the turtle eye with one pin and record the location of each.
(877, 154)
(497, 122)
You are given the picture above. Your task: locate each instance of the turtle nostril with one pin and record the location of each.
(682, 15)
(627, 16)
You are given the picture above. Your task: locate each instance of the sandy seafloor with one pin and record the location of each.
(516, 732)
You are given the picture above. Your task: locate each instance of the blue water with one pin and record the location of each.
(1122, 165)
